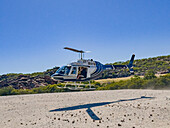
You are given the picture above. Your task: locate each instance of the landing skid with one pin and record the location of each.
(78, 86)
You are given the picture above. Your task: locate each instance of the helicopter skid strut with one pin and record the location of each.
(78, 86)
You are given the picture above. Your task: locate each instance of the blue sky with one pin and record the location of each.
(34, 32)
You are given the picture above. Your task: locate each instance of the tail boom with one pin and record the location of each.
(129, 66)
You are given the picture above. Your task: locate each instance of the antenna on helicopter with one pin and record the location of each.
(79, 51)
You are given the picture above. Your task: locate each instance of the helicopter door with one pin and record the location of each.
(82, 72)
(74, 71)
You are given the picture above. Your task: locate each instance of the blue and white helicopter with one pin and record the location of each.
(85, 70)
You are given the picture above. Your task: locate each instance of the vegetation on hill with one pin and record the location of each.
(150, 81)
(159, 65)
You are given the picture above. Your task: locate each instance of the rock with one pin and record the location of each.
(119, 125)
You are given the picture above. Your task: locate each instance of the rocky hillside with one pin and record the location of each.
(28, 81)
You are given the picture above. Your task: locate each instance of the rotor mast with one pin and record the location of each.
(81, 55)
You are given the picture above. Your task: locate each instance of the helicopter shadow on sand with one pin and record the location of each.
(91, 105)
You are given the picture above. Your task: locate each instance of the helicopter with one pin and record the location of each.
(85, 70)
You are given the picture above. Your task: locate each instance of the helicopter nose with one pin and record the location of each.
(57, 76)
(54, 75)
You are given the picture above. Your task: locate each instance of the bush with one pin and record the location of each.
(43, 89)
(7, 91)
(150, 75)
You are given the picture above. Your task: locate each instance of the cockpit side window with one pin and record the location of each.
(60, 70)
(74, 70)
(67, 70)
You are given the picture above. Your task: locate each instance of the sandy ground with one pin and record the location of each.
(95, 109)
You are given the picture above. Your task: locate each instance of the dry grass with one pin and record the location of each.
(118, 79)
(112, 79)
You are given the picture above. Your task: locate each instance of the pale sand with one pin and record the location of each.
(112, 109)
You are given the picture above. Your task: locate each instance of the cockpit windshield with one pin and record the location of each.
(64, 70)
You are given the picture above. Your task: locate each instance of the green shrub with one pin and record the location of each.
(7, 91)
(150, 75)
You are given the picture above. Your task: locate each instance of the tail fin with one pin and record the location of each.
(130, 65)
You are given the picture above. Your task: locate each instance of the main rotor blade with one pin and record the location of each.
(74, 50)
(87, 51)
